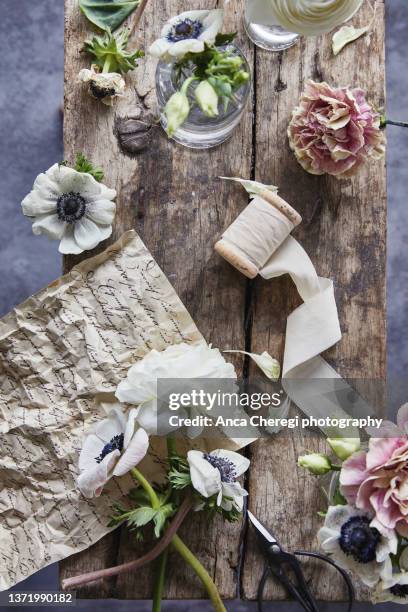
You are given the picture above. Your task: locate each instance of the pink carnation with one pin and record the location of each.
(334, 131)
(377, 480)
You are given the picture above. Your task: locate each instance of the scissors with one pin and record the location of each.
(287, 569)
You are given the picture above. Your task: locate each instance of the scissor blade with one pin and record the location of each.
(264, 536)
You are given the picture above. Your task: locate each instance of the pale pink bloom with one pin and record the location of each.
(334, 130)
(377, 480)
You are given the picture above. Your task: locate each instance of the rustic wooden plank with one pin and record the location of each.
(173, 198)
(344, 231)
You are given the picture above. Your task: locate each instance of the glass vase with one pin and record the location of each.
(200, 131)
(261, 29)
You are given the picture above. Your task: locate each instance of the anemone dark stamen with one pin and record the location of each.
(184, 30)
(359, 540)
(116, 443)
(400, 590)
(225, 467)
(99, 92)
(71, 207)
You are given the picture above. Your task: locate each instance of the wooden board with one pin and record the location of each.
(173, 198)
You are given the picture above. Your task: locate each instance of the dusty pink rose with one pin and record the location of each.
(377, 480)
(334, 131)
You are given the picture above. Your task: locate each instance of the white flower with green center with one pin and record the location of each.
(72, 207)
(217, 473)
(187, 33)
(112, 448)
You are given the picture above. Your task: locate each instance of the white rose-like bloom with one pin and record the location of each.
(187, 33)
(72, 207)
(177, 361)
(103, 86)
(305, 17)
(112, 448)
(216, 473)
(349, 539)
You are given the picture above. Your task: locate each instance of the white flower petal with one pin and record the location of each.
(147, 417)
(68, 245)
(160, 47)
(91, 481)
(265, 362)
(205, 478)
(92, 448)
(134, 453)
(34, 205)
(101, 211)
(130, 427)
(114, 425)
(49, 225)
(212, 25)
(88, 234)
(190, 45)
(197, 15)
(127, 393)
(241, 463)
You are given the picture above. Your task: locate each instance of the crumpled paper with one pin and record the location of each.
(62, 354)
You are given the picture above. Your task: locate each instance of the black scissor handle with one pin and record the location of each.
(301, 592)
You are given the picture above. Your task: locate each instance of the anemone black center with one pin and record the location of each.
(116, 443)
(185, 29)
(400, 590)
(71, 207)
(359, 540)
(225, 467)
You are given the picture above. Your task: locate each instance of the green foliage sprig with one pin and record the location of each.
(110, 54)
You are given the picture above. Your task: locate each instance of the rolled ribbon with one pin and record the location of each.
(259, 242)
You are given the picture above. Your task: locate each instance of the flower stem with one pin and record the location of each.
(201, 573)
(159, 581)
(397, 123)
(187, 84)
(154, 500)
(107, 64)
(182, 549)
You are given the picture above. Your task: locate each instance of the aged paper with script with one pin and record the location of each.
(62, 354)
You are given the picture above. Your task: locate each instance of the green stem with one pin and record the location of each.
(182, 549)
(397, 123)
(187, 84)
(154, 500)
(107, 64)
(201, 572)
(159, 581)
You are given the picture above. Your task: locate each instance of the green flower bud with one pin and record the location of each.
(207, 98)
(176, 111)
(344, 447)
(316, 463)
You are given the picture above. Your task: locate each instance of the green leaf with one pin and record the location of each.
(110, 54)
(224, 39)
(161, 517)
(141, 516)
(83, 164)
(107, 14)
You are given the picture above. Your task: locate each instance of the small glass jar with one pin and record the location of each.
(271, 37)
(200, 131)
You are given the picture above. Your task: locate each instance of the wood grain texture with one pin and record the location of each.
(344, 231)
(173, 198)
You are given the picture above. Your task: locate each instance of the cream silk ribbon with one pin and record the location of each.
(261, 237)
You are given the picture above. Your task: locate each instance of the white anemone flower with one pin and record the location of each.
(187, 33)
(394, 584)
(216, 473)
(177, 361)
(349, 538)
(72, 207)
(112, 448)
(103, 86)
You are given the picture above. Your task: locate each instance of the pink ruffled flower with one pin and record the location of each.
(334, 131)
(377, 480)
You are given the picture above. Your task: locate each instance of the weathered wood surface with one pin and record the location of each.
(173, 198)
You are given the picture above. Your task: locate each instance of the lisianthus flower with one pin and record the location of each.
(216, 473)
(187, 33)
(377, 480)
(177, 361)
(103, 86)
(72, 207)
(350, 539)
(112, 448)
(334, 130)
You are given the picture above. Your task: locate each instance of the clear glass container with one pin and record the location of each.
(200, 131)
(271, 37)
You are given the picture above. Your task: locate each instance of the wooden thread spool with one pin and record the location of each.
(237, 256)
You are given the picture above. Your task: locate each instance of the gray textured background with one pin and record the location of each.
(31, 91)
